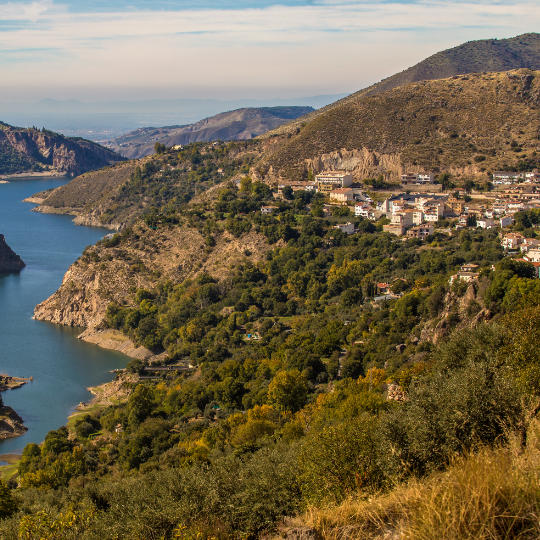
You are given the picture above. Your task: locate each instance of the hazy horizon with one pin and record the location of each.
(130, 59)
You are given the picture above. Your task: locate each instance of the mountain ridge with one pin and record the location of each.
(238, 124)
(30, 150)
(522, 51)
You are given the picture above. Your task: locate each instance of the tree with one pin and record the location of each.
(159, 148)
(8, 505)
(288, 193)
(288, 390)
(139, 405)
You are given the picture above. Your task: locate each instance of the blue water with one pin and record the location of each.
(62, 366)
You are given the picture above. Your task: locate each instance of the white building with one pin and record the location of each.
(506, 177)
(533, 255)
(329, 180)
(485, 223)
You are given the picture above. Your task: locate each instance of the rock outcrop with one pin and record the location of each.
(11, 424)
(113, 271)
(32, 150)
(10, 262)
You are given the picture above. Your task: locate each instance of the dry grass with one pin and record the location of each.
(493, 494)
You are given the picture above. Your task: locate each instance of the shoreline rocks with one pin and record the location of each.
(10, 262)
(11, 424)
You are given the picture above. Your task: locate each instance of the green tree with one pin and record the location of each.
(288, 390)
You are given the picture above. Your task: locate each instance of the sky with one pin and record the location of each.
(141, 49)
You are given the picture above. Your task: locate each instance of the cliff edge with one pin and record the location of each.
(9, 261)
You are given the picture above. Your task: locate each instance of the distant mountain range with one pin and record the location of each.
(30, 150)
(234, 125)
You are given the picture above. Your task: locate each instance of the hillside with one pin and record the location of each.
(116, 196)
(466, 125)
(240, 124)
(279, 382)
(479, 56)
(30, 150)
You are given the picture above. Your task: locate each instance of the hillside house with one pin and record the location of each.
(267, 210)
(347, 228)
(330, 180)
(485, 223)
(511, 241)
(533, 255)
(506, 177)
(529, 243)
(417, 178)
(456, 205)
(421, 231)
(467, 273)
(403, 218)
(342, 195)
(383, 288)
(532, 176)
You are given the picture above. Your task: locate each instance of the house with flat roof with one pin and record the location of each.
(329, 180)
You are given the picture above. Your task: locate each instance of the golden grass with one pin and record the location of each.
(493, 494)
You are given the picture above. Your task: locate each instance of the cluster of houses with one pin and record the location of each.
(414, 212)
(529, 248)
(511, 177)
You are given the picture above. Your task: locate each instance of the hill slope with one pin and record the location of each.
(31, 150)
(472, 57)
(465, 124)
(234, 125)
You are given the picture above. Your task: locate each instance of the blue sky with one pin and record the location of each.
(171, 48)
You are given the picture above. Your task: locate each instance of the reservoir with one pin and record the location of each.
(62, 366)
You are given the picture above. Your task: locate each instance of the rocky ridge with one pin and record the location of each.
(112, 274)
(25, 150)
(11, 424)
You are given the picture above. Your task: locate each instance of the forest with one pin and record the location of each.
(302, 385)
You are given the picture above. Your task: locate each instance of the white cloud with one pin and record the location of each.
(333, 45)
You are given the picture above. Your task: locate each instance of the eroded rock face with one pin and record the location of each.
(9, 261)
(112, 274)
(11, 424)
(35, 150)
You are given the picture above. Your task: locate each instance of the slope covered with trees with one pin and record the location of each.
(293, 386)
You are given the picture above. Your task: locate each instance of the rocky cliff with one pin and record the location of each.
(11, 424)
(25, 150)
(9, 261)
(113, 270)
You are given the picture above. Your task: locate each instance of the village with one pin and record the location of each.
(418, 206)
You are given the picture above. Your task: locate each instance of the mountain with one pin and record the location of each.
(234, 125)
(466, 125)
(479, 56)
(472, 57)
(27, 150)
(9, 261)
